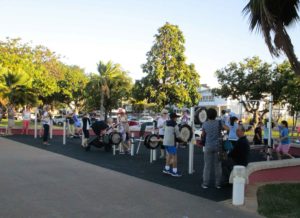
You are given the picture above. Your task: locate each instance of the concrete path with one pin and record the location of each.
(38, 183)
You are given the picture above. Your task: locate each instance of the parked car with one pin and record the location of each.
(146, 119)
(58, 120)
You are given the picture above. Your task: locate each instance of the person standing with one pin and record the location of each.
(46, 119)
(233, 125)
(257, 139)
(11, 119)
(86, 123)
(284, 141)
(212, 129)
(171, 133)
(26, 120)
(161, 122)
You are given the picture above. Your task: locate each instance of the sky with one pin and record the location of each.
(84, 32)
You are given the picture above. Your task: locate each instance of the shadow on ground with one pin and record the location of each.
(139, 165)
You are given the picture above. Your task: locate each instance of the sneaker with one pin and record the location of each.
(176, 174)
(204, 186)
(218, 187)
(167, 171)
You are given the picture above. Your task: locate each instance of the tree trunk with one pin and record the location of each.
(283, 42)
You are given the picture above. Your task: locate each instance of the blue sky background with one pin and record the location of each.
(86, 31)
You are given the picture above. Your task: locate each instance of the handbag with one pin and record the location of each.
(202, 138)
(227, 146)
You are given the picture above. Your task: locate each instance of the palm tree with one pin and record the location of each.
(271, 17)
(106, 71)
(14, 89)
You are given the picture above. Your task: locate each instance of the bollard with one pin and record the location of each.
(64, 133)
(238, 191)
(114, 149)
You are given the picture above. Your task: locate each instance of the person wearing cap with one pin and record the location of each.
(171, 130)
(161, 122)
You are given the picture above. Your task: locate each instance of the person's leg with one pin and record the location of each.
(27, 127)
(46, 133)
(285, 151)
(207, 166)
(218, 169)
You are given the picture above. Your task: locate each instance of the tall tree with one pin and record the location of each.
(106, 72)
(291, 95)
(118, 85)
(271, 17)
(169, 80)
(252, 80)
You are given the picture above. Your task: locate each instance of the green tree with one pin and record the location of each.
(252, 80)
(169, 80)
(291, 95)
(106, 71)
(271, 17)
(15, 89)
(118, 86)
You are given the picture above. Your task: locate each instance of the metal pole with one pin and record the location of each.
(132, 144)
(51, 129)
(270, 129)
(35, 123)
(241, 108)
(191, 144)
(64, 133)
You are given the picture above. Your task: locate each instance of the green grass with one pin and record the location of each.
(19, 124)
(279, 200)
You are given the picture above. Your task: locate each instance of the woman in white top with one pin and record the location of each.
(46, 119)
(161, 130)
(26, 120)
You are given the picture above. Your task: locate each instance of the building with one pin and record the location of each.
(210, 101)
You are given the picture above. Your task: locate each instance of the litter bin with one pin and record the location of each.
(239, 180)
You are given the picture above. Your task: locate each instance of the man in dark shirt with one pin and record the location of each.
(241, 150)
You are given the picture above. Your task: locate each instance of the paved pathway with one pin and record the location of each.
(38, 183)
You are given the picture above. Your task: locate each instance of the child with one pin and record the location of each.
(284, 141)
(171, 130)
(161, 128)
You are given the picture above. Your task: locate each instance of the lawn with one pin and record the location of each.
(279, 200)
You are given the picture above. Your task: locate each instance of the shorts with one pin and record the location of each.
(171, 150)
(283, 148)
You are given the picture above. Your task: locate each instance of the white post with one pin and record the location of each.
(151, 155)
(82, 139)
(114, 149)
(132, 144)
(191, 144)
(64, 133)
(241, 108)
(270, 129)
(35, 123)
(51, 129)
